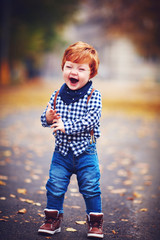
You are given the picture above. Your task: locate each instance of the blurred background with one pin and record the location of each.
(126, 34)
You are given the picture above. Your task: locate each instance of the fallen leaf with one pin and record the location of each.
(22, 211)
(130, 198)
(41, 215)
(40, 192)
(122, 173)
(12, 195)
(75, 194)
(81, 222)
(2, 183)
(143, 210)
(37, 204)
(27, 180)
(2, 198)
(67, 206)
(71, 230)
(7, 153)
(73, 190)
(114, 232)
(124, 220)
(136, 201)
(118, 191)
(127, 182)
(22, 190)
(2, 177)
(137, 195)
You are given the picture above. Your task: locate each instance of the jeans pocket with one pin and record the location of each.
(91, 149)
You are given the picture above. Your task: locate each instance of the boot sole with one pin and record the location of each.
(95, 235)
(49, 231)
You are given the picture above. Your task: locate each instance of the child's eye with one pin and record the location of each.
(68, 67)
(81, 69)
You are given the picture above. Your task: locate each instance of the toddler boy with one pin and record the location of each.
(74, 113)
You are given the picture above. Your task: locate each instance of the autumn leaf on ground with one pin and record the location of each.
(12, 196)
(22, 190)
(118, 191)
(22, 211)
(67, 206)
(71, 230)
(2, 198)
(2, 177)
(81, 222)
(124, 220)
(41, 215)
(2, 183)
(137, 195)
(143, 210)
(74, 190)
(7, 153)
(114, 232)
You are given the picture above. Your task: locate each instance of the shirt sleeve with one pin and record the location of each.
(43, 116)
(89, 120)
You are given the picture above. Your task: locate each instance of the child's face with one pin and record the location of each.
(76, 75)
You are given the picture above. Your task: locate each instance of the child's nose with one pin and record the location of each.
(74, 71)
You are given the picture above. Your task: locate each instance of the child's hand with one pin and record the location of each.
(58, 125)
(51, 114)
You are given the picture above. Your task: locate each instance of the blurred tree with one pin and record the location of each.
(30, 27)
(138, 20)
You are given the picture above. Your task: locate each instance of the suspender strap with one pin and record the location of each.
(90, 95)
(55, 98)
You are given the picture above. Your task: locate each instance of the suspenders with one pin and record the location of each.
(91, 132)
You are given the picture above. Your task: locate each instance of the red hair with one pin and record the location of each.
(83, 53)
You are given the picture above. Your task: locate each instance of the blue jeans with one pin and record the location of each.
(86, 167)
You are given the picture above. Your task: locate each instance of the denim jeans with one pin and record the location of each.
(86, 167)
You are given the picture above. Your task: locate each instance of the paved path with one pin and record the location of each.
(129, 160)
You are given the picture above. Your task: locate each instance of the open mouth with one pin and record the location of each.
(73, 80)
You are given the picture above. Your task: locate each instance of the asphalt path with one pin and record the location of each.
(129, 155)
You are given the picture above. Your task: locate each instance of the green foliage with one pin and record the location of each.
(33, 24)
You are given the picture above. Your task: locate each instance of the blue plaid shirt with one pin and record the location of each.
(79, 119)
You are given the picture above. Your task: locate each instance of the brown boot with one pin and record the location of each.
(52, 222)
(95, 221)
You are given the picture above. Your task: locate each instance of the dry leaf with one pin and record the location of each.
(118, 191)
(74, 190)
(22, 211)
(37, 204)
(71, 230)
(41, 215)
(136, 201)
(114, 232)
(127, 182)
(27, 180)
(7, 153)
(12, 195)
(22, 190)
(124, 220)
(40, 192)
(2, 177)
(2, 183)
(122, 173)
(81, 222)
(137, 195)
(2, 198)
(143, 210)
(75, 194)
